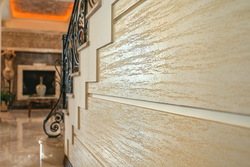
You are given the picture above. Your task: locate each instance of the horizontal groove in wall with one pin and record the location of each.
(73, 133)
(67, 147)
(216, 116)
(97, 159)
(128, 10)
(79, 118)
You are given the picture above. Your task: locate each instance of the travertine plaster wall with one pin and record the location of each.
(172, 86)
(20, 40)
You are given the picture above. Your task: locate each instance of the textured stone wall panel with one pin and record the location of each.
(31, 40)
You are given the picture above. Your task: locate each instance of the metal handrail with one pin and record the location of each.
(77, 35)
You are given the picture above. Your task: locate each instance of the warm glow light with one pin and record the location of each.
(41, 16)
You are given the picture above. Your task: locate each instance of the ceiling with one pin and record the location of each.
(41, 9)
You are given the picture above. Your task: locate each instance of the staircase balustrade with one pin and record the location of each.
(77, 35)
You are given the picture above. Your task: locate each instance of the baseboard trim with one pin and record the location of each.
(66, 162)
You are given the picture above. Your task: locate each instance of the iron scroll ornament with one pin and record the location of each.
(77, 35)
(57, 117)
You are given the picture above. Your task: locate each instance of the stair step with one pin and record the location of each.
(86, 44)
(94, 9)
(71, 95)
(65, 111)
(75, 74)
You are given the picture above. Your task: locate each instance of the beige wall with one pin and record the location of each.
(166, 85)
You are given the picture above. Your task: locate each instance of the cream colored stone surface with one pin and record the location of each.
(80, 155)
(121, 6)
(187, 54)
(51, 150)
(180, 53)
(118, 134)
(19, 139)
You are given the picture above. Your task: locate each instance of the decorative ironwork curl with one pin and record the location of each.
(76, 36)
(55, 126)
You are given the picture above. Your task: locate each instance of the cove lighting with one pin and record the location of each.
(18, 14)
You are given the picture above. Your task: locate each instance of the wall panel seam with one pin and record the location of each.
(210, 115)
(128, 10)
(93, 155)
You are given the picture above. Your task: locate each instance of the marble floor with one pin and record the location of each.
(19, 137)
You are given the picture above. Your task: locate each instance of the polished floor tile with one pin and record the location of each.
(19, 136)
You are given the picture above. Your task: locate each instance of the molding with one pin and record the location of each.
(93, 155)
(215, 116)
(70, 95)
(83, 46)
(6, 29)
(128, 10)
(67, 147)
(75, 74)
(66, 162)
(94, 9)
(72, 135)
(34, 67)
(79, 118)
(42, 50)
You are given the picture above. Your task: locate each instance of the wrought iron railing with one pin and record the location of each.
(57, 117)
(76, 36)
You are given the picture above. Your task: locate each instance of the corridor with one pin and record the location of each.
(19, 138)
